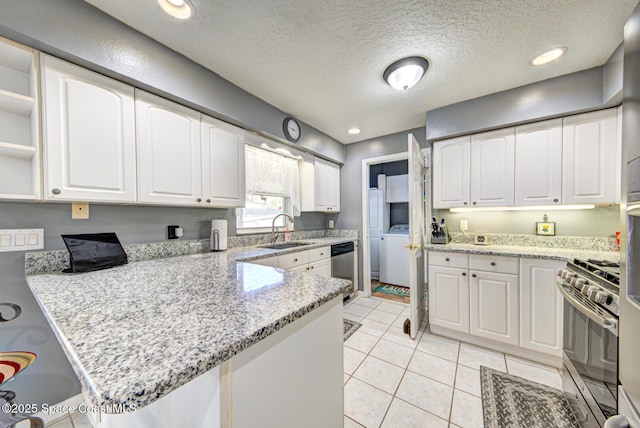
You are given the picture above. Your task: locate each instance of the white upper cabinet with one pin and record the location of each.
(169, 160)
(590, 147)
(89, 135)
(319, 186)
(538, 168)
(19, 122)
(223, 178)
(492, 168)
(398, 188)
(451, 172)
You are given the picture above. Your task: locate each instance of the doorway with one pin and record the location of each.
(374, 179)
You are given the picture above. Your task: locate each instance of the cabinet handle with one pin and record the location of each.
(447, 259)
(493, 263)
(464, 274)
(208, 201)
(474, 202)
(474, 275)
(322, 254)
(555, 200)
(311, 267)
(466, 203)
(199, 200)
(56, 191)
(295, 260)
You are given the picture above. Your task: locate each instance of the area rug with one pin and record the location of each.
(510, 401)
(350, 327)
(395, 290)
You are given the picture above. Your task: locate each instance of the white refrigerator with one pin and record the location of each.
(378, 224)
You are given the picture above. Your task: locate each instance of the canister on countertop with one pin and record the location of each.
(218, 234)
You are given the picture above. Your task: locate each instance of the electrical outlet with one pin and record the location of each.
(79, 210)
(331, 224)
(464, 225)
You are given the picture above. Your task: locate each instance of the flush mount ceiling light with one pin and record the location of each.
(177, 8)
(353, 131)
(548, 56)
(406, 72)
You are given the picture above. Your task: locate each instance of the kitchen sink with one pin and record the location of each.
(283, 245)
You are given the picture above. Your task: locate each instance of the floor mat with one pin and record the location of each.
(510, 401)
(393, 289)
(350, 327)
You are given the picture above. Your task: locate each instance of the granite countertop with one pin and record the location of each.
(136, 332)
(527, 251)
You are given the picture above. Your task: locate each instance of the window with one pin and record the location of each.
(273, 187)
(260, 210)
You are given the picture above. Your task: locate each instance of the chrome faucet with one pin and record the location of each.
(274, 229)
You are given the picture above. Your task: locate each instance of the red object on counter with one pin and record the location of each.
(618, 239)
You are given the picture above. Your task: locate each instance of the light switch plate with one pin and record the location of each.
(79, 210)
(21, 239)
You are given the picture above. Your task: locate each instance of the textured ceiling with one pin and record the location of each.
(322, 61)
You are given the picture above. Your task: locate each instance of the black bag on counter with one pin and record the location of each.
(94, 251)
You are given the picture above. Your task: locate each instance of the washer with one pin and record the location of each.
(394, 258)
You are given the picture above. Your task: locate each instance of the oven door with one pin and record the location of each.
(590, 345)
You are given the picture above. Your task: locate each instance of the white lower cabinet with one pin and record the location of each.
(316, 261)
(493, 307)
(449, 298)
(508, 303)
(541, 306)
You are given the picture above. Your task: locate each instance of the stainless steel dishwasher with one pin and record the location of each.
(344, 264)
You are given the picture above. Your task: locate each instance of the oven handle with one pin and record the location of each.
(604, 322)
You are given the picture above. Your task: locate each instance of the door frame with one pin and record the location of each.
(366, 248)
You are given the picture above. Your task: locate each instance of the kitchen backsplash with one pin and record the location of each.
(57, 260)
(578, 242)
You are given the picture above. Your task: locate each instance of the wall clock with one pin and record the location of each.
(291, 129)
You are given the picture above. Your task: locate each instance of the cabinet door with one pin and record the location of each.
(451, 172)
(321, 267)
(538, 168)
(89, 135)
(494, 306)
(540, 306)
(327, 186)
(492, 168)
(169, 167)
(398, 188)
(589, 158)
(222, 164)
(449, 298)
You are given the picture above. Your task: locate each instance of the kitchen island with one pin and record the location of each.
(201, 340)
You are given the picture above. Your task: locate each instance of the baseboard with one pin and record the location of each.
(516, 351)
(57, 411)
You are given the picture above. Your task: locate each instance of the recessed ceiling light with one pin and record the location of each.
(549, 56)
(353, 131)
(406, 72)
(177, 8)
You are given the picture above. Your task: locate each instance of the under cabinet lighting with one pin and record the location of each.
(180, 9)
(523, 208)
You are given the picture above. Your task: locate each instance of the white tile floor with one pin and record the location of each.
(393, 381)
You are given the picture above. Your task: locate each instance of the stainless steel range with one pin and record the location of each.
(590, 338)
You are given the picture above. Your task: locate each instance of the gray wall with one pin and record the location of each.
(601, 221)
(350, 216)
(80, 33)
(586, 90)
